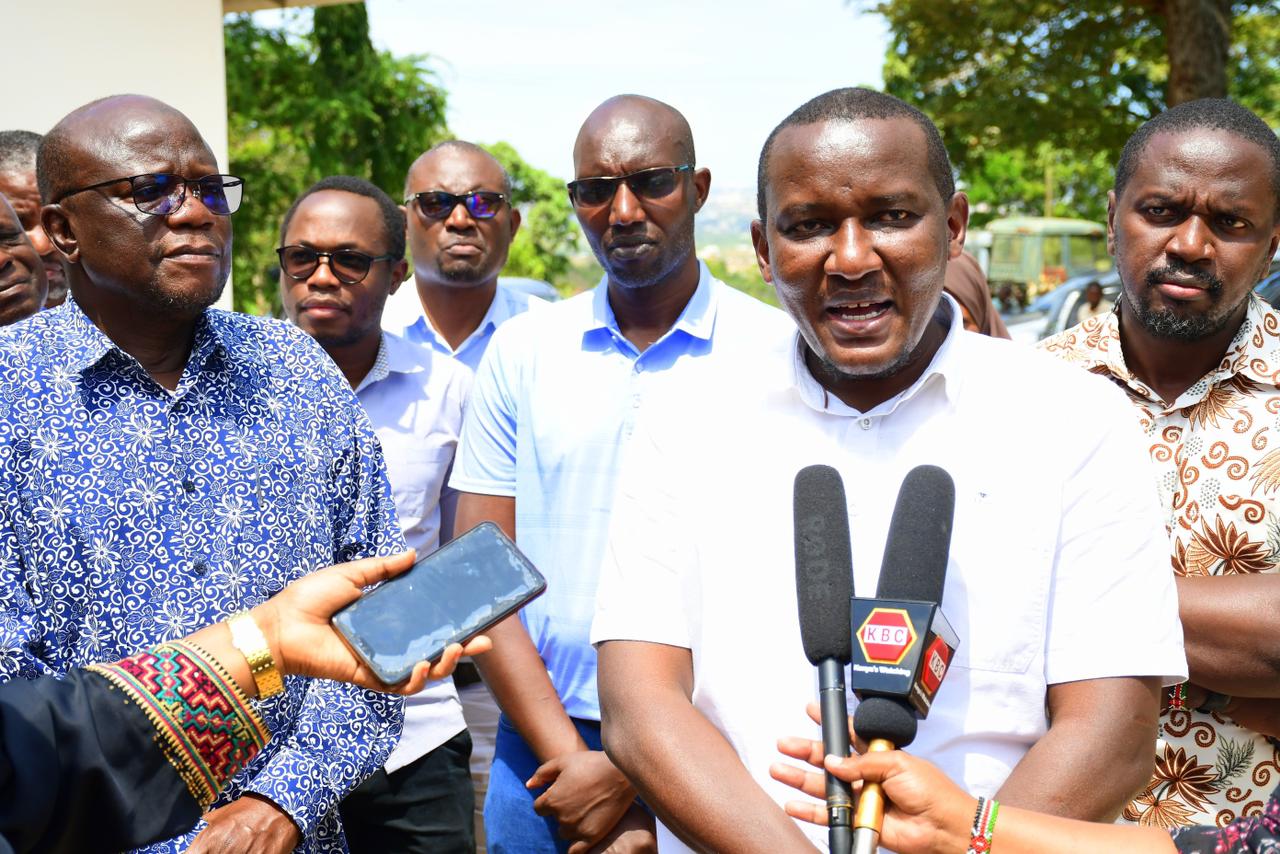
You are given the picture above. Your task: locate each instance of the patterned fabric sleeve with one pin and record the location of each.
(1254, 835)
(342, 733)
(204, 723)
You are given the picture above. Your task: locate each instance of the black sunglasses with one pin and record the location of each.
(347, 265)
(437, 204)
(655, 183)
(161, 194)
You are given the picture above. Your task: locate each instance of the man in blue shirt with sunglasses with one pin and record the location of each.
(555, 400)
(164, 464)
(460, 224)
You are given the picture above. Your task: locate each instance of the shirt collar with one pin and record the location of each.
(86, 345)
(943, 370)
(1097, 347)
(501, 308)
(697, 320)
(395, 356)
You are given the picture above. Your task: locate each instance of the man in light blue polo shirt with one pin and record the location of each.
(554, 403)
(460, 226)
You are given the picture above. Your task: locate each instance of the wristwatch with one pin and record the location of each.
(248, 638)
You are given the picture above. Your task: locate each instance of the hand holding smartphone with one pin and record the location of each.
(449, 596)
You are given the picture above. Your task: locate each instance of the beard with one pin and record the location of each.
(1173, 324)
(671, 255)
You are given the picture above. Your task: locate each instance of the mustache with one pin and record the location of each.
(1178, 270)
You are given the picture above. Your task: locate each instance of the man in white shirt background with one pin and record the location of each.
(342, 247)
(1053, 693)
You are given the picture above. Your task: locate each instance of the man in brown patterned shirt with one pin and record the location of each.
(1192, 222)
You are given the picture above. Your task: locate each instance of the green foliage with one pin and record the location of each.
(746, 280)
(548, 232)
(1037, 92)
(303, 106)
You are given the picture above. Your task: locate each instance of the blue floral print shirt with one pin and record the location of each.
(132, 515)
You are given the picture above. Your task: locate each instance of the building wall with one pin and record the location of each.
(60, 54)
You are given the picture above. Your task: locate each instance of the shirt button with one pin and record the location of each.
(188, 485)
(199, 567)
(865, 423)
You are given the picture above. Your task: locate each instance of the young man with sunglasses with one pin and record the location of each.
(164, 464)
(341, 255)
(461, 223)
(554, 404)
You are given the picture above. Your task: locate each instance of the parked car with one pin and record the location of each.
(1031, 255)
(1060, 308)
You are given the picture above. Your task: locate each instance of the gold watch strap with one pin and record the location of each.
(248, 638)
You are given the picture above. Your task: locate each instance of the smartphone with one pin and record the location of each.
(449, 596)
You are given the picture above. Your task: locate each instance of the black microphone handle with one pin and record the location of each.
(835, 742)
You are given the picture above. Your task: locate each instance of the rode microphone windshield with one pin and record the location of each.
(824, 563)
(824, 588)
(915, 554)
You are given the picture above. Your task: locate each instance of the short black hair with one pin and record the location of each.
(1213, 113)
(18, 150)
(853, 104)
(392, 216)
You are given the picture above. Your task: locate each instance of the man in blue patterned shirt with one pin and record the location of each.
(164, 465)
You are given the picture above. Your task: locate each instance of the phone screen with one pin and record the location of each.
(446, 597)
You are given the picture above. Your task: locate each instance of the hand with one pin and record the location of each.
(1259, 714)
(248, 825)
(296, 624)
(634, 833)
(586, 794)
(924, 812)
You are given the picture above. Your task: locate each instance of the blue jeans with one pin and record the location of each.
(510, 824)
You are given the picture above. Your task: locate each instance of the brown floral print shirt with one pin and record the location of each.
(1216, 452)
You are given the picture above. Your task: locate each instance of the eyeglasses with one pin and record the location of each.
(161, 194)
(655, 183)
(347, 265)
(437, 204)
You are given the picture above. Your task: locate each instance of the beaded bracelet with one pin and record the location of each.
(984, 826)
(1178, 696)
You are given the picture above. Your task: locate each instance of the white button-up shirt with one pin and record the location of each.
(1058, 566)
(415, 400)
(403, 315)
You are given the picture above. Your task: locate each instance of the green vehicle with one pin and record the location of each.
(1032, 255)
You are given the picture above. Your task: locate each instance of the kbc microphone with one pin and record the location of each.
(902, 643)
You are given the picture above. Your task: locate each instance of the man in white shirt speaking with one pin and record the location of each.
(1057, 581)
(341, 255)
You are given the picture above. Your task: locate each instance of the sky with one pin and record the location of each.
(529, 71)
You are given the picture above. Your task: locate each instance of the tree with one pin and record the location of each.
(1035, 98)
(548, 234)
(301, 107)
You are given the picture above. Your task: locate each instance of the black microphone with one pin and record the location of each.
(904, 644)
(824, 588)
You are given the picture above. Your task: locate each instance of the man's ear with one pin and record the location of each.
(1111, 223)
(957, 224)
(515, 221)
(399, 272)
(760, 240)
(702, 187)
(58, 226)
